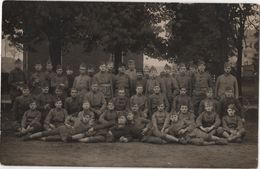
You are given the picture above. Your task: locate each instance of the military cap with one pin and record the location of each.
(48, 62)
(232, 106)
(201, 62)
(18, 61)
(227, 64)
(91, 68)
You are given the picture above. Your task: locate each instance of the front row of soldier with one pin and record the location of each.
(91, 119)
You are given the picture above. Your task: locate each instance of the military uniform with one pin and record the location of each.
(82, 84)
(171, 86)
(233, 123)
(151, 82)
(21, 104)
(184, 81)
(225, 102)
(45, 102)
(160, 120)
(155, 100)
(105, 84)
(16, 80)
(141, 101)
(188, 117)
(58, 80)
(97, 102)
(31, 118)
(36, 82)
(55, 117)
(49, 75)
(121, 104)
(182, 100)
(122, 81)
(137, 126)
(73, 105)
(224, 81)
(132, 76)
(216, 105)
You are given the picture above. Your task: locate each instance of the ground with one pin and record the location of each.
(244, 155)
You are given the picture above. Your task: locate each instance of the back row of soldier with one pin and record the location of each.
(128, 87)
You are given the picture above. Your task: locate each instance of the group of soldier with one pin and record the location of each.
(184, 106)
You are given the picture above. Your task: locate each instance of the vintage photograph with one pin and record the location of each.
(129, 84)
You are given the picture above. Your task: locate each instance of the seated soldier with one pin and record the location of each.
(59, 94)
(96, 99)
(182, 98)
(56, 117)
(59, 79)
(121, 102)
(141, 100)
(73, 103)
(209, 97)
(122, 80)
(36, 80)
(185, 114)
(31, 121)
(233, 128)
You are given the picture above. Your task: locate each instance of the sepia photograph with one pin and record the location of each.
(129, 84)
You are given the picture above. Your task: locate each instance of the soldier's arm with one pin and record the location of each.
(224, 124)
(166, 122)
(239, 123)
(236, 88)
(174, 104)
(199, 120)
(104, 103)
(217, 121)
(217, 87)
(36, 119)
(24, 119)
(154, 122)
(175, 87)
(66, 82)
(166, 102)
(48, 118)
(201, 107)
(102, 118)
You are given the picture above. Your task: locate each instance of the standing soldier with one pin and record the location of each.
(183, 79)
(131, 72)
(154, 81)
(140, 100)
(122, 80)
(91, 72)
(201, 82)
(96, 100)
(171, 85)
(36, 80)
(82, 81)
(73, 104)
(21, 104)
(226, 80)
(49, 74)
(16, 80)
(59, 79)
(140, 80)
(105, 82)
(70, 77)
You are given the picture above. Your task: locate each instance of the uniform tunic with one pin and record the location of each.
(105, 84)
(132, 76)
(58, 80)
(97, 101)
(137, 126)
(49, 75)
(225, 102)
(182, 100)
(108, 116)
(55, 117)
(31, 118)
(16, 79)
(232, 122)
(86, 112)
(21, 104)
(122, 81)
(151, 82)
(36, 81)
(160, 120)
(184, 81)
(175, 127)
(141, 101)
(121, 131)
(155, 100)
(216, 105)
(42, 100)
(82, 84)
(188, 117)
(121, 103)
(207, 119)
(73, 105)
(224, 81)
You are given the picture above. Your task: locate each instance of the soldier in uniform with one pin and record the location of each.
(122, 80)
(209, 97)
(82, 81)
(121, 102)
(171, 85)
(140, 80)
(97, 100)
(91, 73)
(36, 80)
(182, 99)
(105, 82)
(49, 74)
(16, 80)
(70, 76)
(201, 82)
(59, 79)
(226, 80)
(131, 72)
(146, 72)
(21, 104)
(45, 101)
(183, 79)
(73, 103)
(153, 81)
(140, 100)
(156, 98)
(59, 94)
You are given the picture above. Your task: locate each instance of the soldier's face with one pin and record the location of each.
(69, 72)
(26, 92)
(45, 90)
(86, 105)
(38, 67)
(192, 69)
(139, 90)
(183, 91)
(231, 112)
(229, 93)
(121, 93)
(227, 69)
(183, 69)
(49, 67)
(90, 72)
(160, 107)
(73, 93)
(121, 69)
(167, 71)
(201, 68)
(156, 89)
(153, 74)
(209, 94)
(18, 65)
(110, 66)
(121, 120)
(174, 118)
(131, 66)
(33, 106)
(135, 108)
(130, 116)
(110, 106)
(59, 71)
(208, 108)
(86, 118)
(94, 87)
(58, 104)
(184, 109)
(102, 68)
(82, 70)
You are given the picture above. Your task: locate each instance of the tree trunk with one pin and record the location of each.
(55, 51)
(117, 59)
(239, 68)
